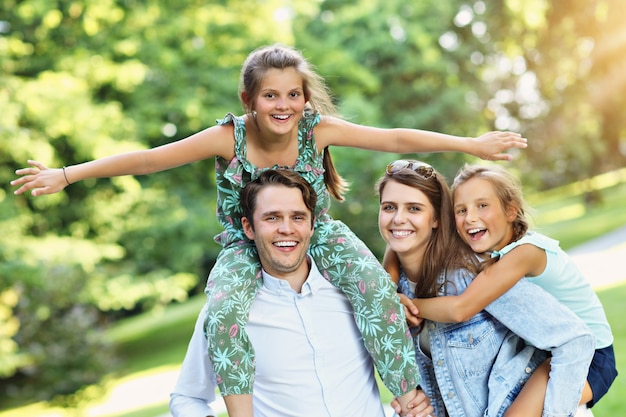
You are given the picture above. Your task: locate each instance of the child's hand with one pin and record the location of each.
(40, 179)
(410, 311)
(491, 145)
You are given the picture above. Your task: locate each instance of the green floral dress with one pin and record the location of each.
(339, 254)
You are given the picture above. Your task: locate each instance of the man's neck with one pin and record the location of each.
(297, 278)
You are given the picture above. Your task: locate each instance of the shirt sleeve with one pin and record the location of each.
(196, 386)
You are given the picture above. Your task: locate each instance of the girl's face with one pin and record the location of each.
(406, 218)
(481, 220)
(280, 102)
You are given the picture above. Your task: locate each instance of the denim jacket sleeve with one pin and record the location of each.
(537, 317)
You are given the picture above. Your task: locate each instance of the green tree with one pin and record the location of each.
(561, 82)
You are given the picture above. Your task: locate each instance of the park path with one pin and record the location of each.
(600, 260)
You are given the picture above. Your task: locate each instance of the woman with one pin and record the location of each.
(477, 367)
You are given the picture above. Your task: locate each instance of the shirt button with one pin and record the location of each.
(439, 362)
(431, 326)
(528, 370)
(451, 394)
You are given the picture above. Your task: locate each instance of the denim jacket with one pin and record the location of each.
(478, 367)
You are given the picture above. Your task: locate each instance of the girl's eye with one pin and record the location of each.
(460, 211)
(414, 208)
(269, 95)
(387, 207)
(295, 94)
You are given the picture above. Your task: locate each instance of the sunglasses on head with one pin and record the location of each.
(422, 169)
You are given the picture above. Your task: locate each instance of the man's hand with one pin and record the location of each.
(419, 406)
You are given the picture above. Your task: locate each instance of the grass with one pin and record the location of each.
(562, 214)
(150, 342)
(613, 403)
(161, 333)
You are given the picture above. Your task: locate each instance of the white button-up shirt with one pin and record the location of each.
(310, 357)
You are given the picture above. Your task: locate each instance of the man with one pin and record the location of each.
(310, 357)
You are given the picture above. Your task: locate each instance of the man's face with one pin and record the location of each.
(282, 230)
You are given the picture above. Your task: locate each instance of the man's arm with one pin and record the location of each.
(195, 387)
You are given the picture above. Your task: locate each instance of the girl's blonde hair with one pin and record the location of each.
(316, 94)
(507, 188)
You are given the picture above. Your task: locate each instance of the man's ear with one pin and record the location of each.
(247, 228)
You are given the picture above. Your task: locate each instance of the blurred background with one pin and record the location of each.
(83, 79)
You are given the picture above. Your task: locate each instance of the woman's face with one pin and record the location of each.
(406, 218)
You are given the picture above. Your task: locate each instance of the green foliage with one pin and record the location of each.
(61, 343)
(561, 83)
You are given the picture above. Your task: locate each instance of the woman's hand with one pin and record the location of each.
(40, 179)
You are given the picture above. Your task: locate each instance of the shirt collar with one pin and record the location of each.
(313, 281)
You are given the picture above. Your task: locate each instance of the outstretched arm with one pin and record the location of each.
(490, 284)
(41, 180)
(489, 146)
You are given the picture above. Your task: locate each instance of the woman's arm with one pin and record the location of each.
(338, 132)
(538, 318)
(214, 141)
(495, 280)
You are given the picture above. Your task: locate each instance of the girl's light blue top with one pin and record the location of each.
(566, 283)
